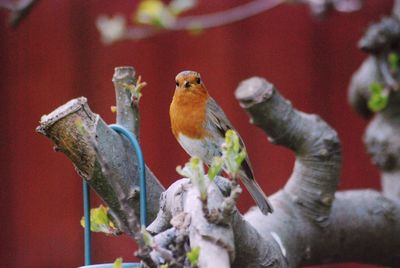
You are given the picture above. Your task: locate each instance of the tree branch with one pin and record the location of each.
(190, 23)
(128, 114)
(315, 177)
(62, 128)
(309, 225)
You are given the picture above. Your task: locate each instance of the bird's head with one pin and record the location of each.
(189, 81)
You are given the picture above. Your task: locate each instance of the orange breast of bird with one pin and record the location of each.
(188, 113)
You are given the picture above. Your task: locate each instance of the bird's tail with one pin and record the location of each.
(258, 195)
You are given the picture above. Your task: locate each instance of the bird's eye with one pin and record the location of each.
(198, 80)
(177, 83)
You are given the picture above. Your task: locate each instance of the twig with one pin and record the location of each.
(206, 21)
(128, 114)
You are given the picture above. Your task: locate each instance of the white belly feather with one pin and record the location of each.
(203, 149)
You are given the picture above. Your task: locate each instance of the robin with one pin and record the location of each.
(199, 125)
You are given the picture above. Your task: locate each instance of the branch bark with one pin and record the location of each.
(315, 177)
(310, 225)
(62, 127)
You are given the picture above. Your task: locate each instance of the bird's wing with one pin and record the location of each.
(219, 121)
(216, 118)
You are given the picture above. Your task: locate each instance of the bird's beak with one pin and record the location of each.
(186, 84)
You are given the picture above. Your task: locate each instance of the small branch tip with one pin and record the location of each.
(123, 72)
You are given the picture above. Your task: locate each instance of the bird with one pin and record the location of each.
(199, 124)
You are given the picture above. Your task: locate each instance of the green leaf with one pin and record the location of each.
(193, 256)
(136, 89)
(379, 97)
(118, 263)
(154, 12)
(232, 153)
(148, 239)
(194, 170)
(393, 60)
(99, 221)
(164, 266)
(375, 88)
(240, 157)
(215, 168)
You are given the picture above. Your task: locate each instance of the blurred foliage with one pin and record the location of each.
(193, 256)
(159, 14)
(153, 16)
(379, 97)
(393, 59)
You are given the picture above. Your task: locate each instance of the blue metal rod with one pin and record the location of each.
(142, 185)
(86, 213)
(142, 176)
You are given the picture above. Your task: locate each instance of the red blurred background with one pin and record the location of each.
(56, 54)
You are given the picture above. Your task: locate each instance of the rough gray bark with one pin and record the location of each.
(83, 137)
(313, 225)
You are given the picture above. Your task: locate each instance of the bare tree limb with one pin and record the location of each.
(316, 228)
(128, 114)
(315, 177)
(61, 127)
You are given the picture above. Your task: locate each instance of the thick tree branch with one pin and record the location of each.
(63, 128)
(315, 177)
(314, 228)
(364, 226)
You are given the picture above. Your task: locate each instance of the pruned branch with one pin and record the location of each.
(61, 127)
(128, 114)
(311, 226)
(315, 177)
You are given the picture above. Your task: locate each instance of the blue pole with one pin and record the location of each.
(86, 213)
(142, 185)
(141, 168)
